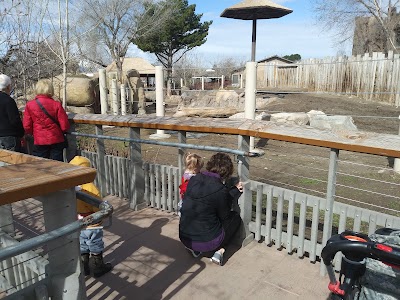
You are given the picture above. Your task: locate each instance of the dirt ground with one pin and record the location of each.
(363, 180)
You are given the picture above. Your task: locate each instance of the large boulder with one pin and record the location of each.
(290, 118)
(173, 100)
(205, 112)
(226, 98)
(81, 91)
(261, 117)
(333, 122)
(80, 109)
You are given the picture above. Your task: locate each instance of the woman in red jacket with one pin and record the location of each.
(47, 121)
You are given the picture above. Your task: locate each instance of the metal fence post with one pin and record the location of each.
(136, 192)
(181, 152)
(245, 201)
(64, 269)
(330, 200)
(72, 149)
(101, 171)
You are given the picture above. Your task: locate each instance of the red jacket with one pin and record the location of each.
(37, 123)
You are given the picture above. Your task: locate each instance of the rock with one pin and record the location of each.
(80, 109)
(290, 118)
(206, 112)
(226, 98)
(263, 117)
(173, 99)
(333, 122)
(81, 91)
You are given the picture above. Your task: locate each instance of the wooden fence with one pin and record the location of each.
(375, 77)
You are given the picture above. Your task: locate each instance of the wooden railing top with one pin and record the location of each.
(356, 141)
(28, 176)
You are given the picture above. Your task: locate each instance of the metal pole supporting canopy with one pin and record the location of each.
(254, 10)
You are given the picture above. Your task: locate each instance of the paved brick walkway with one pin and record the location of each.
(150, 263)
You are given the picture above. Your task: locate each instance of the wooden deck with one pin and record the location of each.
(151, 263)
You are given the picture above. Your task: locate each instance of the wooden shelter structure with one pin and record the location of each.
(146, 70)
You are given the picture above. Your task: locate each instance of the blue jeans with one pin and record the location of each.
(91, 241)
(10, 143)
(54, 151)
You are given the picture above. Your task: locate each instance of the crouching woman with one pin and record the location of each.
(207, 221)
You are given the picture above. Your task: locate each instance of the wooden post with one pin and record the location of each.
(64, 269)
(330, 200)
(245, 201)
(202, 83)
(137, 184)
(103, 91)
(222, 81)
(101, 170)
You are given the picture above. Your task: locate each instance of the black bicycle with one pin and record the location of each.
(356, 248)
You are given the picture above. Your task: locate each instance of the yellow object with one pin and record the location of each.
(83, 208)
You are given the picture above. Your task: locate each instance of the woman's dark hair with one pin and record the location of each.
(221, 164)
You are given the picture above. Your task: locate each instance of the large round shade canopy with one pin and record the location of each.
(255, 9)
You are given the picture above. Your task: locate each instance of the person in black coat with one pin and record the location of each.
(11, 129)
(207, 221)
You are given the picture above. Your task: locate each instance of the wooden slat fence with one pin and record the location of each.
(368, 77)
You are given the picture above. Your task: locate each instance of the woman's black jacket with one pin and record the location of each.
(206, 204)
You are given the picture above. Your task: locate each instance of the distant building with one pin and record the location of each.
(370, 36)
(269, 64)
(146, 70)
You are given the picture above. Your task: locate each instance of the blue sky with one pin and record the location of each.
(294, 33)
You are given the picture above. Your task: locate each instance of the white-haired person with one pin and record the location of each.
(47, 121)
(11, 130)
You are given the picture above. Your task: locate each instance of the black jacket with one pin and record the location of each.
(207, 202)
(10, 120)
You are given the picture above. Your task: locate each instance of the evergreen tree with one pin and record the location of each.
(293, 57)
(180, 34)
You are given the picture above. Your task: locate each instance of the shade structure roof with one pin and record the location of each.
(256, 9)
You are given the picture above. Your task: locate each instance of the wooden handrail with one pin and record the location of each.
(28, 176)
(355, 141)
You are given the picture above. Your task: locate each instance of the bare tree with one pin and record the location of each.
(341, 15)
(117, 24)
(226, 65)
(191, 64)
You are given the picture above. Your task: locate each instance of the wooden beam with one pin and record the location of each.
(355, 141)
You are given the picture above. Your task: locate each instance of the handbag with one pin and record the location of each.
(65, 143)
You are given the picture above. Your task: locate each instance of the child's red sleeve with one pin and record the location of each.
(183, 187)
